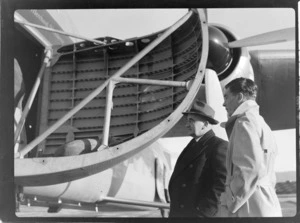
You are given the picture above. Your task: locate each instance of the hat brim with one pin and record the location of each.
(208, 118)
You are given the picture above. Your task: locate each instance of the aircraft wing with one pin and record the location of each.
(275, 74)
(43, 18)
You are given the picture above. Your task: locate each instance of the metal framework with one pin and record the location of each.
(51, 170)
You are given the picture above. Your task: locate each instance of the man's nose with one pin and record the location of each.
(224, 104)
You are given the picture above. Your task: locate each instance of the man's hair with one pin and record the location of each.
(243, 85)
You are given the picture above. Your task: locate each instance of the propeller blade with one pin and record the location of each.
(277, 36)
(215, 99)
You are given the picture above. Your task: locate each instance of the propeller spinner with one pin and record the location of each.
(220, 55)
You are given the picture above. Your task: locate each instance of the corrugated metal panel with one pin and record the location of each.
(136, 107)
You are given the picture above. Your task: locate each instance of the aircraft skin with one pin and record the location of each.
(145, 168)
(151, 166)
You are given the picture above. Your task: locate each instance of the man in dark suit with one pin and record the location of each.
(199, 175)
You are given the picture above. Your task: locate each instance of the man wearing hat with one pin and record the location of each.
(199, 175)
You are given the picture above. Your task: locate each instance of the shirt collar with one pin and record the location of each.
(197, 139)
(246, 105)
(207, 135)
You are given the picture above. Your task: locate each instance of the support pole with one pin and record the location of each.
(98, 90)
(135, 202)
(108, 108)
(60, 32)
(152, 82)
(33, 92)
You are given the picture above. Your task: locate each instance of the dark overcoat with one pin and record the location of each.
(198, 178)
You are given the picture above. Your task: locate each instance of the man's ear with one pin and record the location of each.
(241, 97)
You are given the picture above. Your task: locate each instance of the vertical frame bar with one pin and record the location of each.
(109, 106)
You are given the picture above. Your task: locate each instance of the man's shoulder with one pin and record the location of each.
(218, 146)
(249, 115)
(219, 141)
(252, 118)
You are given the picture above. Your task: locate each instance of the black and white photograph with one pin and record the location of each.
(156, 113)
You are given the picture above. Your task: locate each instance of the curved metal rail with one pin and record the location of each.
(53, 170)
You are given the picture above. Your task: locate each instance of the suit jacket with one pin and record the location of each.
(198, 178)
(250, 183)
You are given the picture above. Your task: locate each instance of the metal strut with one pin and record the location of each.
(99, 89)
(60, 32)
(46, 62)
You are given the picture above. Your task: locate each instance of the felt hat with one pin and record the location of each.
(204, 110)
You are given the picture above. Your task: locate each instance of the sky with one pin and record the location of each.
(128, 23)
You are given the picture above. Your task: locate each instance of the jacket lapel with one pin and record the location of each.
(229, 125)
(192, 151)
